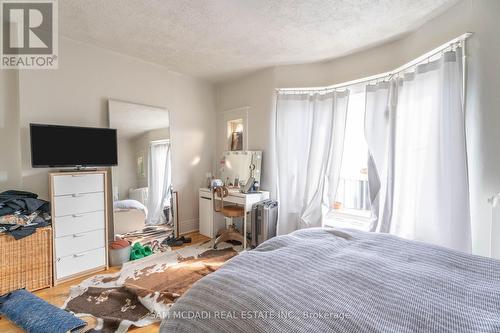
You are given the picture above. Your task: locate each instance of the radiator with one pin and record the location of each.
(139, 194)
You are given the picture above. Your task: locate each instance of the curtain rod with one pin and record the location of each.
(396, 71)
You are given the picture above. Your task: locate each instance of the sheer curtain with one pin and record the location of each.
(418, 162)
(309, 143)
(380, 114)
(159, 181)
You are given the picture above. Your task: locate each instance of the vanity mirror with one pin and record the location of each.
(142, 186)
(236, 167)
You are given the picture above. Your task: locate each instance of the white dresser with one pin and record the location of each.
(79, 219)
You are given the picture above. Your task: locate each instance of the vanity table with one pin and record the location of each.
(211, 221)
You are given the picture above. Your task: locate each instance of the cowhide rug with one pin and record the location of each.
(142, 292)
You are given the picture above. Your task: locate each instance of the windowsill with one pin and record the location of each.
(349, 218)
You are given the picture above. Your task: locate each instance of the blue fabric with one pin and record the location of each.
(34, 315)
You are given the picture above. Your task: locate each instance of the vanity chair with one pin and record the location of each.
(230, 211)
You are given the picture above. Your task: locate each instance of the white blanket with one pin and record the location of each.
(130, 204)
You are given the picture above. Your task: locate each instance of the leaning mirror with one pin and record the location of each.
(143, 209)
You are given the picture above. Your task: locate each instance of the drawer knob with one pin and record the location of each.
(76, 195)
(78, 255)
(77, 235)
(77, 215)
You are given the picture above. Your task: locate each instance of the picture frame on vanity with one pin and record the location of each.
(236, 141)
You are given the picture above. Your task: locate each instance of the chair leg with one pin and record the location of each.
(220, 232)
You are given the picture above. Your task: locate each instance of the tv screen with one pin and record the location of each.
(69, 146)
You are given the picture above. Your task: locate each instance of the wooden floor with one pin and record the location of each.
(57, 296)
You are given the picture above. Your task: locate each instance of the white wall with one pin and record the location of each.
(77, 94)
(10, 154)
(483, 114)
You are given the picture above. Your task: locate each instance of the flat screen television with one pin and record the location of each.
(71, 146)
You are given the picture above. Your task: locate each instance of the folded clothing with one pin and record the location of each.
(21, 202)
(18, 218)
(20, 226)
(35, 315)
(22, 212)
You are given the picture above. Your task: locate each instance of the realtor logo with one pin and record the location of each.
(29, 34)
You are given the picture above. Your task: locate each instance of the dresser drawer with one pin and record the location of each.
(78, 204)
(76, 243)
(80, 262)
(78, 183)
(78, 223)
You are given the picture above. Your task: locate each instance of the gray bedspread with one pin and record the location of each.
(345, 281)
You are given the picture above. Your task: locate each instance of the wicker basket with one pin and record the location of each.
(26, 263)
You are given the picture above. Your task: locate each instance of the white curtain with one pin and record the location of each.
(380, 108)
(159, 181)
(418, 161)
(309, 143)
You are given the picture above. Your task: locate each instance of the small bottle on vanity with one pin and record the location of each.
(209, 179)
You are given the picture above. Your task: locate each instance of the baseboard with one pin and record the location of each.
(187, 226)
(189, 232)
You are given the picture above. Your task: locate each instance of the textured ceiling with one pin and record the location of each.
(217, 39)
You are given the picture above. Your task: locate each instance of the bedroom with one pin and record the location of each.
(264, 78)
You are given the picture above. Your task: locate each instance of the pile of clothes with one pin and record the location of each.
(151, 236)
(21, 213)
(154, 238)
